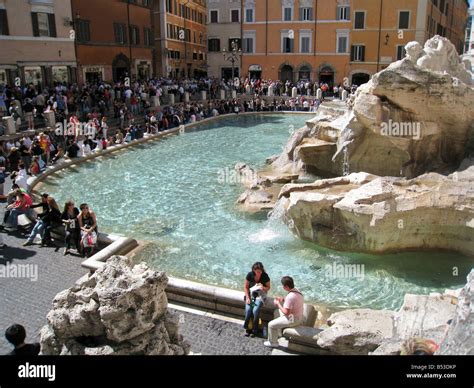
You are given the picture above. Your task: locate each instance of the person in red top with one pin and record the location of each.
(20, 206)
(74, 125)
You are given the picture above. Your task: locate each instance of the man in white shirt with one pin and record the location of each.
(27, 142)
(291, 312)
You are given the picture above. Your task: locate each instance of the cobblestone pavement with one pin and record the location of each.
(210, 336)
(27, 302)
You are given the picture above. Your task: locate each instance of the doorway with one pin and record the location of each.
(286, 73)
(326, 76)
(120, 67)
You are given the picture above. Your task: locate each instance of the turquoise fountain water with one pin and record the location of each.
(179, 194)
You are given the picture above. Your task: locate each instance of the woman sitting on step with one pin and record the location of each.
(88, 225)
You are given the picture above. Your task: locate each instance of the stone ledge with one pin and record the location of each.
(116, 245)
(214, 298)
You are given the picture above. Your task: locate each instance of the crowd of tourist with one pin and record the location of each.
(124, 100)
(79, 226)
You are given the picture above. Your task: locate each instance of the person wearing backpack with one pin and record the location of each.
(291, 312)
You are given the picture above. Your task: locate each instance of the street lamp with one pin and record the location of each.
(185, 38)
(232, 56)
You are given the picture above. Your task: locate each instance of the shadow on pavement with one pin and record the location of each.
(13, 253)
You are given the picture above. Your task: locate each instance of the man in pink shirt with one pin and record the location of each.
(291, 312)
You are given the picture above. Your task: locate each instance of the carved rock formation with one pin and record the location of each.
(119, 310)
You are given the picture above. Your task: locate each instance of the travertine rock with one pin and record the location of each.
(424, 316)
(460, 335)
(382, 332)
(413, 117)
(120, 309)
(356, 332)
(385, 214)
(262, 189)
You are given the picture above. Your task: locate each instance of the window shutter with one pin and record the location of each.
(311, 14)
(353, 53)
(52, 25)
(34, 22)
(362, 54)
(3, 22)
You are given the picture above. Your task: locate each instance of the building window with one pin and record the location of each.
(146, 3)
(248, 45)
(195, 56)
(249, 15)
(147, 37)
(342, 43)
(44, 24)
(235, 16)
(60, 73)
(306, 14)
(441, 30)
(287, 43)
(358, 53)
(214, 16)
(442, 6)
(214, 45)
(343, 12)
(404, 20)
(401, 53)
(359, 23)
(305, 44)
(120, 33)
(287, 14)
(3, 22)
(83, 31)
(3, 77)
(134, 35)
(33, 75)
(169, 8)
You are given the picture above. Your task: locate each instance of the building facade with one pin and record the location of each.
(327, 42)
(469, 46)
(223, 27)
(180, 38)
(36, 42)
(114, 39)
